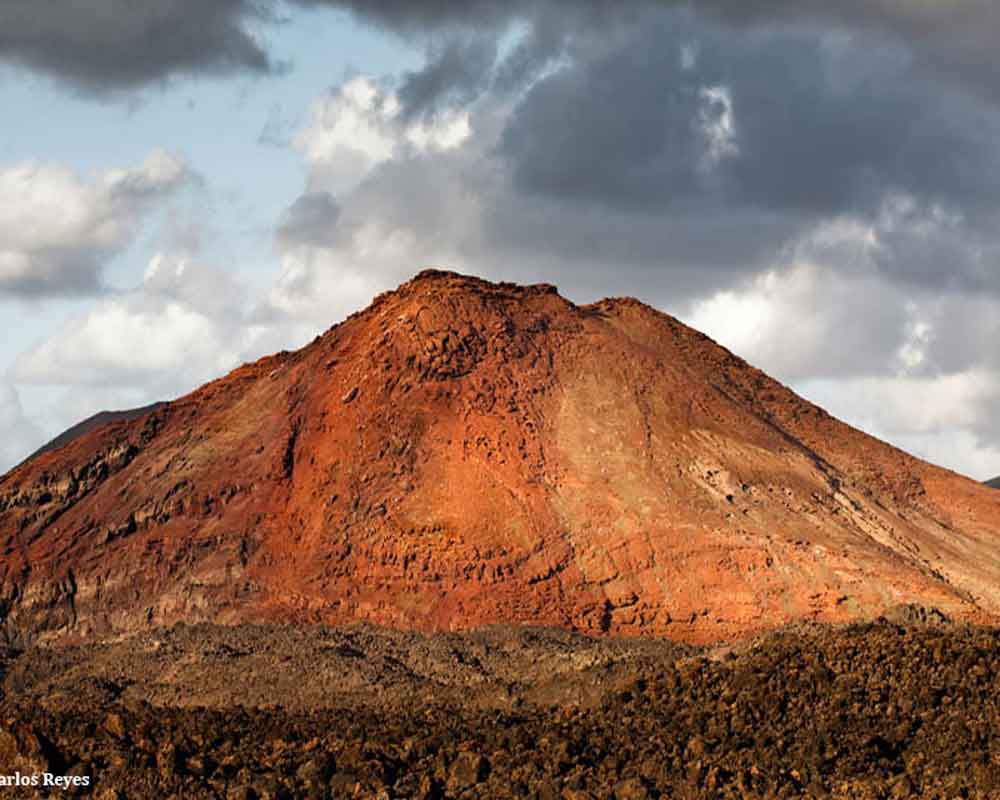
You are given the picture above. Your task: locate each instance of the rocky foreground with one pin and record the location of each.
(890, 709)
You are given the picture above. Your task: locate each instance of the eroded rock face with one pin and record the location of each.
(463, 453)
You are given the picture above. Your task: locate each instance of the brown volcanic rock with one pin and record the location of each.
(463, 453)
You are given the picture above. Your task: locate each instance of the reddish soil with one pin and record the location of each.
(463, 453)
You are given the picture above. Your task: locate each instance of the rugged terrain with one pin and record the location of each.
(464, 453)
(890, 709)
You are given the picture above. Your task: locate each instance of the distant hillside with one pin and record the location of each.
(995, 483)
(90, 424)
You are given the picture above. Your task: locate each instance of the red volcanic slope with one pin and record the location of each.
(463, 453)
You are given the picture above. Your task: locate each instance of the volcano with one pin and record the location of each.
(463, 453)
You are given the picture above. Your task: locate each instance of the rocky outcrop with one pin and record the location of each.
(463, 453)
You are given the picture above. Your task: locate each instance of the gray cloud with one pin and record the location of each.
(954, 40)
(951, 39)
(962, 334)
(107, 45)
(456, 72)
(310, 220)
(409, 17)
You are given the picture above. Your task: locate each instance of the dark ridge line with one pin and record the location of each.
(91, 424)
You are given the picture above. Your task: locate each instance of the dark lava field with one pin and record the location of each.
(898, 708)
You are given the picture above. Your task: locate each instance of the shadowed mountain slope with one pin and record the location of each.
(462, 453)
(90, 424)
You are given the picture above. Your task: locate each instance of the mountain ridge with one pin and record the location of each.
(92, 422)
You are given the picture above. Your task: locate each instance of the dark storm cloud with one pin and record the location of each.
(817, 128)
(955, 39)
(107, 45)
(821, 128)
(406, 16)
(103, 45)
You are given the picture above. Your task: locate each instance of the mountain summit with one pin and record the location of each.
(463, 453)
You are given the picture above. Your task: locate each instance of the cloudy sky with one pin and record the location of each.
(188, 184)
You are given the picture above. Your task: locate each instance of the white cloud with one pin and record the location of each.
(18, 435)
(317, 287)
(403, 205)
(912, 353)
(116, 341)
(445, 132)
(945, 419)
(906, 366)
(360, 125)
(717, 123)
(320, 284)
(182, 326)
(807, 321)
(960, 450)
(912, 405)
(57, 228)
(834, 303)
(185, 280)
